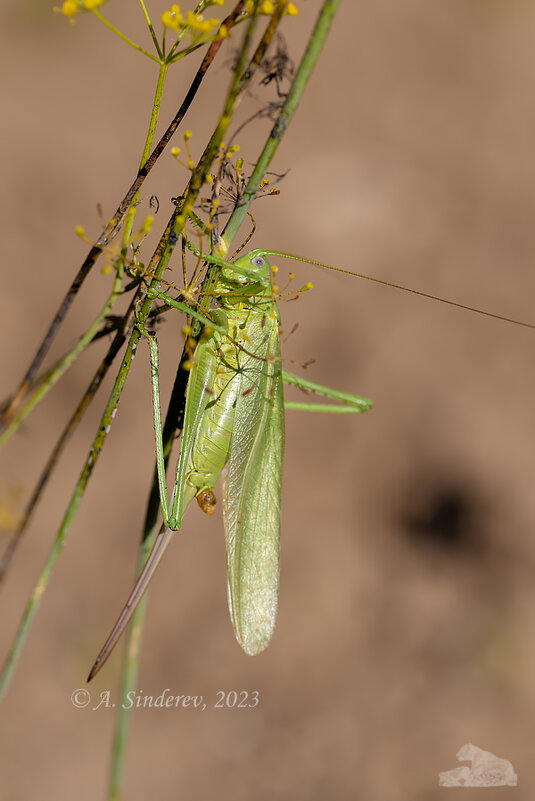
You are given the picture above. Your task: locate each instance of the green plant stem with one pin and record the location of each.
(122, 36)
(156, 105)
(151, 29)
(264, 43)
(287, 111)
(129, 673)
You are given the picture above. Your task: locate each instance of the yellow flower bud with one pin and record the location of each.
(173, 19)
(69, 8)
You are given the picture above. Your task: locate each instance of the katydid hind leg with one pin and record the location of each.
(169, 524)
(143, 580)
(347, 402)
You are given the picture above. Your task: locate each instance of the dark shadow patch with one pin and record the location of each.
(445, 516)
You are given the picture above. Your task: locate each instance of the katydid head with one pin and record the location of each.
(252, 268)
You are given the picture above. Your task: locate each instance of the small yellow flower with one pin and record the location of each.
(91, 4)
(175, 151)
(209, 178)
(291, 10)
(79, 230)
(223, 32)
(168, 21)
(267, 7)
(187, 135)
(173, 19)
(69, 8)
(192, 19)
(200, 26)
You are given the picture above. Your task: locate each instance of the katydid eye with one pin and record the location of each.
(258, 261)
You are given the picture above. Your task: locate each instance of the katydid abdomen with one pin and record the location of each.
(213, 392)
(242, 408)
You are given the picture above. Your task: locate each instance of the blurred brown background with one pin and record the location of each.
(406, 622)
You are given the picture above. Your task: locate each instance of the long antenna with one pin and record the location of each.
(398, 286)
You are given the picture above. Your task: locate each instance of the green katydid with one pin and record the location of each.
(234, 422)
(234, 419)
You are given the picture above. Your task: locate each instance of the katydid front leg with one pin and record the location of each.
(199, 392)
